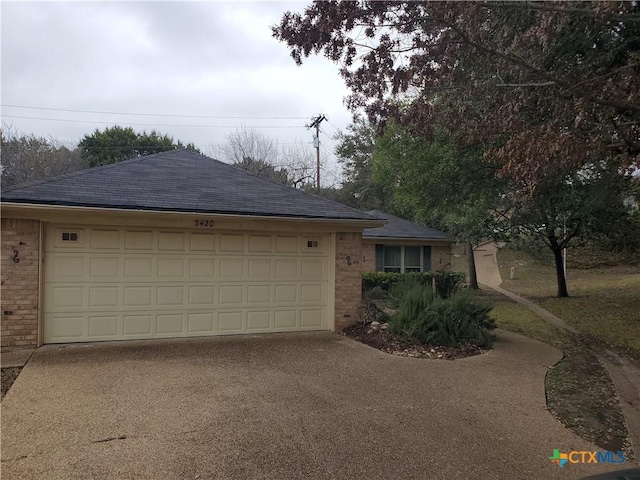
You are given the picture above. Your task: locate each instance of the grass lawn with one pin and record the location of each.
(604, 301)
(520, 319)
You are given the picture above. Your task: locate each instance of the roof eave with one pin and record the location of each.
(16, 207)
(413, 239)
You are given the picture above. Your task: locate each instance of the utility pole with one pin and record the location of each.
(315, 123)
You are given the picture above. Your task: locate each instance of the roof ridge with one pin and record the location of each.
(83, 171)
(282, 185)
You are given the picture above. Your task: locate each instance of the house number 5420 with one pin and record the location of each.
(203, 223)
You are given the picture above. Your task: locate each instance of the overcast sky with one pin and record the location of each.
(215, 59)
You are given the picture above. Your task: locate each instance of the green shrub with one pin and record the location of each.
(446, 283)
(424, 317)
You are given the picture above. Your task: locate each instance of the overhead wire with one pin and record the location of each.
(227, 117)
(148, 124)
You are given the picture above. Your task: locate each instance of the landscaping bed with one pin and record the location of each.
(384, 341)
(9, 376)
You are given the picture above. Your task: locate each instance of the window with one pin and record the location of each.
(401, 258)
(69, 236)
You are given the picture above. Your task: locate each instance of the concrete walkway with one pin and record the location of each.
(284, 406)
(624, 374)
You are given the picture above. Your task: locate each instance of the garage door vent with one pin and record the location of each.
(69, 236)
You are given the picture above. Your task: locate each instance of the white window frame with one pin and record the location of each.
(403, 267)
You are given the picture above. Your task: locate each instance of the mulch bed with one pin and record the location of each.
(9, 376)
(382, 340)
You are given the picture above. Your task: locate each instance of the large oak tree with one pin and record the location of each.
(546, 90)
(546, 87)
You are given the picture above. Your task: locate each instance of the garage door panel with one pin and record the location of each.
(118, 283)
(171, 268)
(287, 244)
(201, 268)
(259, 294)
(202, 242)
(103, 326)
(230, 322)
(231, 294)
(136, 268)
(313, 293)
(170, 324)
(232, 268)
(104, 297)
(67, 268)
(286, 293)
(232, 243)
(200, 323)
(138, 296)
(201, 295)
(171, 241)
(68, 297)
(311, 318)
(104, 268)
(170, 296)
(137, 326)
(66, 328)
(285, 319)
(105, 239)
(313, 270)
(260, 320)
(259, 268)
(138, 240)
(260, 244)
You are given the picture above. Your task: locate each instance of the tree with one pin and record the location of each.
(257, 153)
(116, 144)
(546, 90)
(260, 168)
(440, 184)
(354, 150)
(27, 157)
(573, 209)
(545, 87)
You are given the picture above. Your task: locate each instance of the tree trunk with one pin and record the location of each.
(473, 277)
(562, 280)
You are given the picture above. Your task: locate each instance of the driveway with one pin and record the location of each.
(283, 406)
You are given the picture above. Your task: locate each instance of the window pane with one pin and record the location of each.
(412, 258)
(392, 269)
(379, 258)
(411, 269)
(426, 257)
(392, 257)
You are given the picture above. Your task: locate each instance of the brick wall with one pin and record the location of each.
(368, 257)
(348, 278)
(441, 258)
(20, 283)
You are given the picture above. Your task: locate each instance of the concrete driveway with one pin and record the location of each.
(283, 406)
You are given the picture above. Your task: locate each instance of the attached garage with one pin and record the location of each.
(111, 283)
(174, 244)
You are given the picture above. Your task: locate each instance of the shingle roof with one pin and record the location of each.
(178, 180)
(397, 227)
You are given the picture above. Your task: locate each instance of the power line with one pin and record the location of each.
(237, 117)
(149, 124)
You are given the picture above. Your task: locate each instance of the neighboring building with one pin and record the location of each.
(404, 246)
(176, 245)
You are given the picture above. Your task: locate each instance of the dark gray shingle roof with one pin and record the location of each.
(397, 227)
(178, 180)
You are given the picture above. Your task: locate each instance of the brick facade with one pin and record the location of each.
(348, 278)
(368, 257)
(441, 257)
(20, 283)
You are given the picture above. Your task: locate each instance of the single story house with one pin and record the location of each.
(177, 244)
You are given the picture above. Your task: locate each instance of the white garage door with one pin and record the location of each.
(112, 283)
